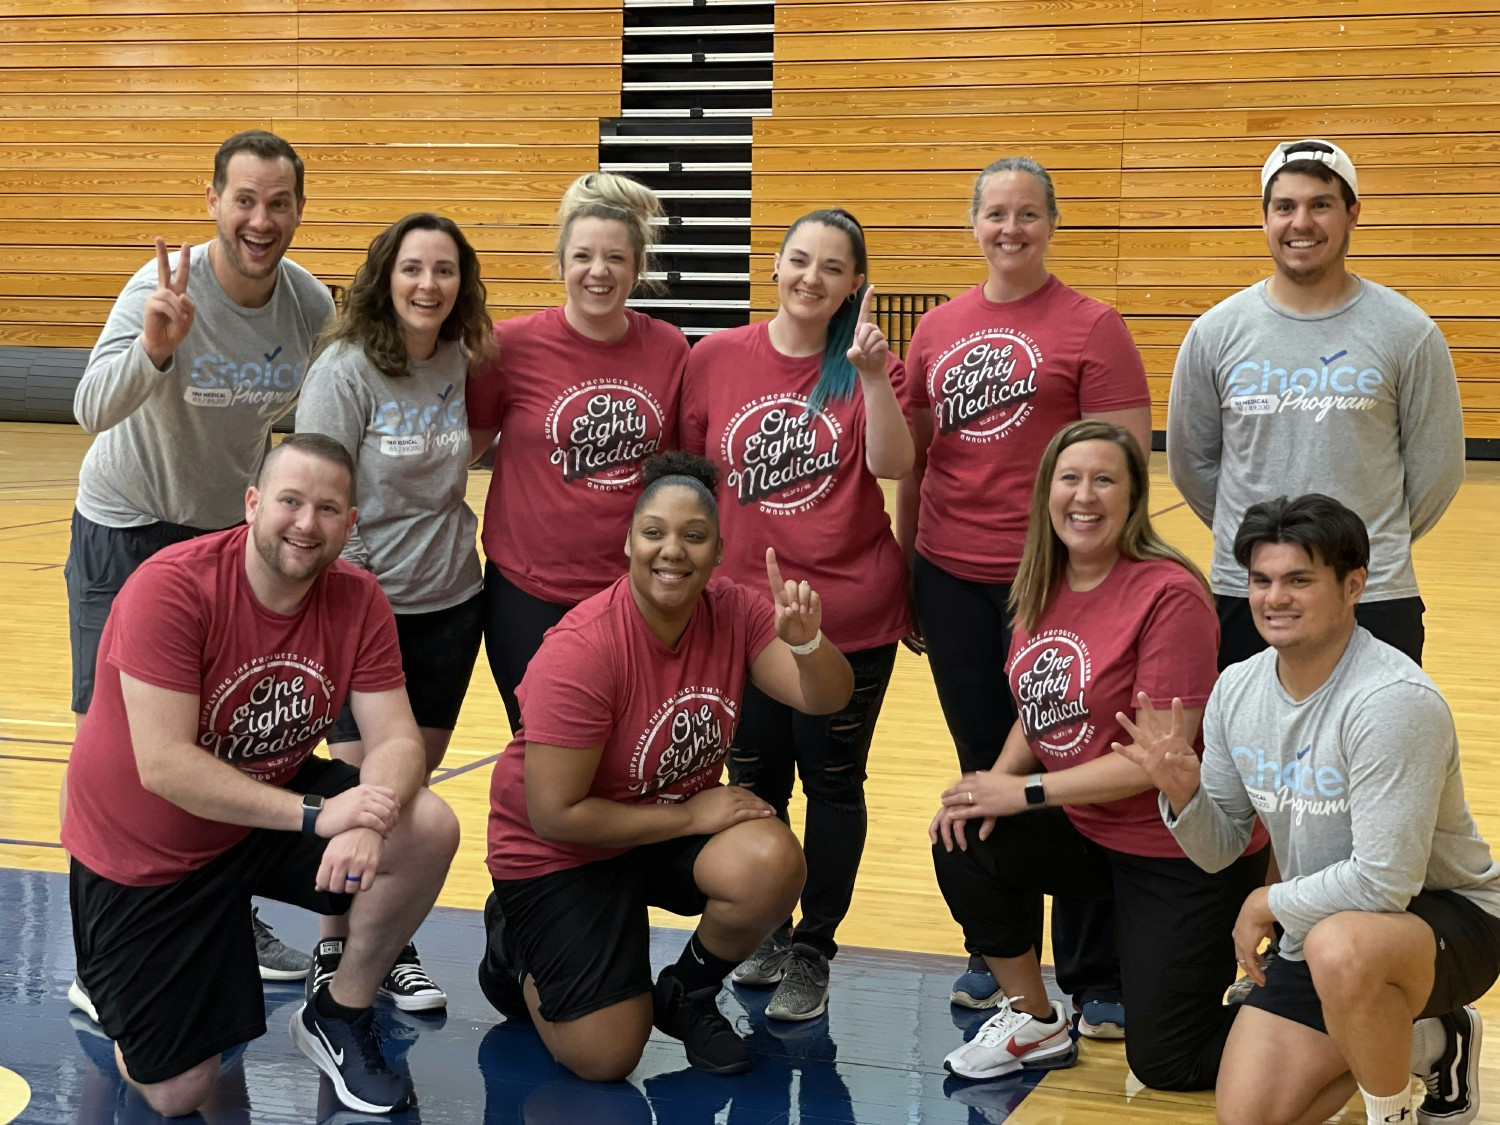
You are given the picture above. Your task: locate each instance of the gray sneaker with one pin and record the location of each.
(803, 991)
(764, 967)
(278, 961)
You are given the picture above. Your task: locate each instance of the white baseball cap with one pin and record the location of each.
(1324, 152)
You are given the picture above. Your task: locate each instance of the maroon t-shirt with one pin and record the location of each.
(268, 686)
(665, 717)
(796, 482)
(1001, 378)
(1147, 627)
(576, 419)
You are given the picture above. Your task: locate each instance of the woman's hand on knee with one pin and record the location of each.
(723, 806)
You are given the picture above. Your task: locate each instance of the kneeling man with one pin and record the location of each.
(191, 788)
(1390, 900)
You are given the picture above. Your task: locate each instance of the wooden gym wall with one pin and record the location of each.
(112, 110)
(1155, 117)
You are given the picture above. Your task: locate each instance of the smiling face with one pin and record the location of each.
(599, 266)
(1089, 501)
(673, 548)
(424, 287)
(1297, 601)
(256, 215)
(300, 518)
(1013, 227)
(816, 272)
(1307, 227)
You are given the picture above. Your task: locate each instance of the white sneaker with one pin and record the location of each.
(80, 1000)
(1010, 1040)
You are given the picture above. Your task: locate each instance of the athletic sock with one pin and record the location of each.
(698, 969)
(330, 1009)
(1427, 1042)
(1049, 1019)
(1393, 1108)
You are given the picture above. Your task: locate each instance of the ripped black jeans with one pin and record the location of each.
(830, 753)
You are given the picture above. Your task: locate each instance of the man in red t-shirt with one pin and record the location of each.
(191, 787)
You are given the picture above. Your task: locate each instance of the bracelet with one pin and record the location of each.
(810, 646)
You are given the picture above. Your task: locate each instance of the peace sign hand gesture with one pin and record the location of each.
(1161, 749)
(799, 610)
(168, 314)
(870, 350)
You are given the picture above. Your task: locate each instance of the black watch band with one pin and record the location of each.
(1036, 795)
(312, 805)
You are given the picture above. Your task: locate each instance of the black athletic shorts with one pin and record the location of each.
(171, 969)
(438, 651)
(100, 558)
(1466, 965)
(583, 933)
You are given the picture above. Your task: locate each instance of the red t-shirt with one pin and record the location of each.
(795, 482)
(664, 717)
(576, 419)
(268, 686)
(1147, 627)
(1001, 378)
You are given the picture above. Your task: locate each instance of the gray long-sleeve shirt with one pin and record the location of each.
(1360, 403)
(182, 443)
(410, 441)
(1358, 784)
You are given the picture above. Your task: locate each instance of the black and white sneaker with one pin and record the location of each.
(349, 1053)
(409, 987)
(497, 975)
(326, 956)
(695, 1019)
(1453, 1083)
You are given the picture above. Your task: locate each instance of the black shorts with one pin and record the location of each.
(100, 558)
(583, 933)
(172, 969)
(1466, 965)
(438, 651)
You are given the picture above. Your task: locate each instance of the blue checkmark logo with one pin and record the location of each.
(1334, 356)
(1303, 752)
(271, 356)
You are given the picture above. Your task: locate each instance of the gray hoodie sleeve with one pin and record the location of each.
(1214, 828)
(1432, 432)
(1395, 740)
(119, 376)
(335, 402)
(1195, 428)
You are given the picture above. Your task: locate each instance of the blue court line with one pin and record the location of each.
(446, 774)
(30, 843)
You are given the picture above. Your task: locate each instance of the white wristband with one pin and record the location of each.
(810, 646)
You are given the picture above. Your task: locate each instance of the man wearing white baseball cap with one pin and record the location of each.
(1316, 380)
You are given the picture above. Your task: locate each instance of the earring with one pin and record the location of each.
(775, 276)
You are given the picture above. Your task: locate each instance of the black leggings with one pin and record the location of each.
(967, 629)
(830, 753)
(514, 623)
(1174, 923)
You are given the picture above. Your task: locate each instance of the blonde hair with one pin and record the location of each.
(605, 195)
(1045, 558)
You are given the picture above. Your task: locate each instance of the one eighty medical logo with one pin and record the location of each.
(1298, 787)
(779, 455)
(267, 382)
(687, 734)
(1052, 675)
(1259, 386)
(602, 430)
(982, 387)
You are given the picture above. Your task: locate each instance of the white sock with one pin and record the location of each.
(1427, 1042)
(1393, 1108)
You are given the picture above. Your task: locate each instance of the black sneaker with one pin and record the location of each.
(349, 1053)
(497, 978)
(1453, 1085)
(695, 1019)
(409, 987)
(326, 956)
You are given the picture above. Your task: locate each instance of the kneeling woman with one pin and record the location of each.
(1105, 611)
(608, 801)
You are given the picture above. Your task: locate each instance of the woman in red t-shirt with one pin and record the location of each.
(1108, 617)
(580, 396)
(608, 800)
(992, 375)
(800, 415)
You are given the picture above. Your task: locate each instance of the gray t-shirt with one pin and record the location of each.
(1360, 403)
(409, 438)
(1358, 784)
(182, 444)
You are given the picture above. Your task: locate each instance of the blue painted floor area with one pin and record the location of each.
(875, 1059)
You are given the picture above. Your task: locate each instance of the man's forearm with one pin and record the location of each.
(197, 782)
(399, 764)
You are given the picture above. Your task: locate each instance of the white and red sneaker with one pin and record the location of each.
(1010, 1040)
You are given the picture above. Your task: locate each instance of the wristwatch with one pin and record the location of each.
(312, 805)
(1036, 795)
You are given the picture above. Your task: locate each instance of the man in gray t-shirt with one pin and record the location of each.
(1316, 379)
(1390, 899)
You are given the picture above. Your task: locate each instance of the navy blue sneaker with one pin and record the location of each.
(349, 1053)
(976, 987)
(1101, 1019)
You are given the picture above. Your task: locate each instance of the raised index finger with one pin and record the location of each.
(773, 572)
(867, 306)
(163, 267)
